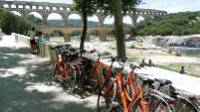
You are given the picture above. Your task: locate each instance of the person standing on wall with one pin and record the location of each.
(41, 44)
(33, 41)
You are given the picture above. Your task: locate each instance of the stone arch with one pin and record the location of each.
(140, 18)
(94, 34)
(57, 18)
(61, 8)
(75, 35)
(109, 20)
(6, 6)
(36, 14)
(95, 19)
(13, 6)
(27, 7)
(20, 6)
(16, 13)
(57, 33)
(76, 19)
(54, 8)
(47, 8)
(40, 7)
(34, 7)
(127, 20)
(68, 9)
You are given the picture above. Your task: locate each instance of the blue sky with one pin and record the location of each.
(171, 6)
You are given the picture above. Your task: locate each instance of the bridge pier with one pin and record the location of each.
(134, 20)
(44, 19)
(102, 36)
(67, 37)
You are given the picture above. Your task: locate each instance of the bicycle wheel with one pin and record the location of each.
(71, 82)
(154, 103)
(183, 105)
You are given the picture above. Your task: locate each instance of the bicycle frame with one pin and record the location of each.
(97, 69)
(127, 100)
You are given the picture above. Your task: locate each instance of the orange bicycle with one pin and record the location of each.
(123, 93)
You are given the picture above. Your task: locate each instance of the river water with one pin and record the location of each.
(193, 51)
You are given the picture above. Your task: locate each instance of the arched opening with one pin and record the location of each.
(74, 20)
(55, 20)
(34, 7)
(20, 6)
(93, 21)
(93, 35)
(40, 7)
(108, 21)
(75, 35)
(68, 9)
(140, 19)
(128, 23)
(13, 6)
(57, 36)
(55, 8)
(27, 7)
(47, 8)
(127, 20)
(6, 6)
(35, 18)
(16, 13)
(61, 8)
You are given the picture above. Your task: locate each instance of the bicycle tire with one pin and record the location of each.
(154, 102)
(183, 105)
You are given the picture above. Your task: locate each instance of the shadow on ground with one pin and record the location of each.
(14, 95)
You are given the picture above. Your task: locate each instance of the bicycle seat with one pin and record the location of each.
(164, 81)
(146, 81)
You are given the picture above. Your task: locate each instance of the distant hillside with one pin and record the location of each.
(172, 24)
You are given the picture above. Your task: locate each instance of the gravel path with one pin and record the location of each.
(24, 84)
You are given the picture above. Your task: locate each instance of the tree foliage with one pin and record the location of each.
(11, 23)
(126, 5)
(173, 24)
(35, 21)
(118, 8)
(86, 8)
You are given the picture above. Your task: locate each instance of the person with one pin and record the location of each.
(41, 44)
(182, 71)
(33, 41)
(16, 38)
(150, 63)
(143, 63)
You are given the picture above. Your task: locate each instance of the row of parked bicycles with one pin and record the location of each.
(118, 87)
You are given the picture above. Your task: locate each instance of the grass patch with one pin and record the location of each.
(191, 69)
(134, 58)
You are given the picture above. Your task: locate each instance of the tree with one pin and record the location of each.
(87, 8)
(12, 23)
(116, 7)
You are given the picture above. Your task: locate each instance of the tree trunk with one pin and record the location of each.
(84, 32)
(116, 9)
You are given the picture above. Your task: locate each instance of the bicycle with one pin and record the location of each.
(180, 103)
(119, 93)
(62, 71)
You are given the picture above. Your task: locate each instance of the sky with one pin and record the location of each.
(171, 6)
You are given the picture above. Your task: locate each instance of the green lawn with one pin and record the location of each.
(191, 69)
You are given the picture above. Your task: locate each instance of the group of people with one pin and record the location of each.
(37, 43)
